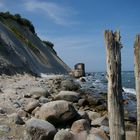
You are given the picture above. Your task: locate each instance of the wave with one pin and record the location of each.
(129, 90)
(49, 76)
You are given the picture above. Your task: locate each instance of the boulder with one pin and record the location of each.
(83, 135)
(37, 129)
(68, 96)
(97, 134)
(93, 115)
(131, 135)
(100, 121)
(31, 106)
(82, 102)
(37, 92)
(64, 135)
(78, 73)
(80, 125)
(79, 70)
(57, 111)
(83, 115)
(22, 113)
(69, 85)
(43, 100)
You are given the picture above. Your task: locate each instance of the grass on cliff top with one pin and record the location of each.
(19, 19)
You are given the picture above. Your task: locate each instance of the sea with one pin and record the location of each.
(98, 81)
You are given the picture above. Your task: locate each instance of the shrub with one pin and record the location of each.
(48, 43)
(19, 19)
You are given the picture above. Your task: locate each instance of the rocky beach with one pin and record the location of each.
(57, 107)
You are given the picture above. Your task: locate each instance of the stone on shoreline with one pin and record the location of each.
(80, 125)
(100, 121)
(39, 130)
(69, 85)
(37, 92)
(64, 135)
(31, 106)
(68, 96)
(57, 111)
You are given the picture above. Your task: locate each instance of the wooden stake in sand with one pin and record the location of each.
(115, 99)
(137, 80)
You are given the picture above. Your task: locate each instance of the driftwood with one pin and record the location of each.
(115, 99)
(137, 79)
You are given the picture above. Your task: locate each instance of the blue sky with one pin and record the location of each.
(76, 27)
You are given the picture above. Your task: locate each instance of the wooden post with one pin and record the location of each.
(137, 79)
(115, 99)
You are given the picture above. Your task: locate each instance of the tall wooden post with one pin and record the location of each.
(137, 79)
(115, 99)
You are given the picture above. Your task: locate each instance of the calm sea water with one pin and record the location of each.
(98, 81)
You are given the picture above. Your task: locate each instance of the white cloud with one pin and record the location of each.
(58, 13)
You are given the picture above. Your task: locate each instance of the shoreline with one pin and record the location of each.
(16, 97)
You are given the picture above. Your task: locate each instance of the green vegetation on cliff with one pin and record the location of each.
(19, 19)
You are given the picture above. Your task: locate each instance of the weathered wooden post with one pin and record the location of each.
(115, 99)
(137, 79)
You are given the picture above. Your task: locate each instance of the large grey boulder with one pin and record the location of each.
(37, 129)
(70, 85)
(37, 92)
(57, 111)
(64, 135)
(68, 96)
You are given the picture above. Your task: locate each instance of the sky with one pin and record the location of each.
(76, 27)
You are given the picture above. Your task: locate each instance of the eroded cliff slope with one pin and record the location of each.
(21, 50)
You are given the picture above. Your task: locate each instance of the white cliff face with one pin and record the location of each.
(22, 51)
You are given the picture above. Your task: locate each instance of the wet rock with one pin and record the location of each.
(68, 96)
(64, 135)
(31, 106)
(37, 92)
(57, 111)
(80, 125)
(39, 130)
